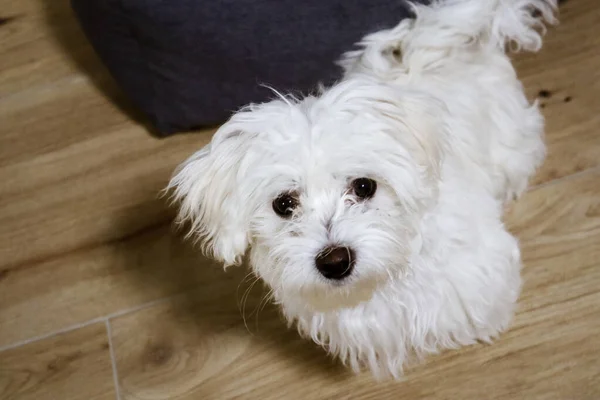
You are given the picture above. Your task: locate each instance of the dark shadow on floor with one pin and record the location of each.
(75, 46)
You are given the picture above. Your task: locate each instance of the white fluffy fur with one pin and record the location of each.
(433, 111)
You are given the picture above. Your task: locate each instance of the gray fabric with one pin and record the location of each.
(190, 63)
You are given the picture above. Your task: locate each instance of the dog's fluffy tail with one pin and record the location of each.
(518, 23)
(454, 24)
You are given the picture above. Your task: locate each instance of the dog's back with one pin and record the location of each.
(456, 51)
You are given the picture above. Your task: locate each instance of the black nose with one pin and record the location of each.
(335, 262)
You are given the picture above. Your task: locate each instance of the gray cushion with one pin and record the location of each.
(191, 63)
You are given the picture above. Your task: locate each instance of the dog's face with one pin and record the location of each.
(326, 192)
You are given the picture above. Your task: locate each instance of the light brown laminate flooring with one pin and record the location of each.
(99, 299)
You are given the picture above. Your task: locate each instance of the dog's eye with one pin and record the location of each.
(364, 188)
(285, 204)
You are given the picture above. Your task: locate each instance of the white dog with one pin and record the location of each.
(374, 210)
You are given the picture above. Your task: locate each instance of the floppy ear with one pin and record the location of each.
(207, 188)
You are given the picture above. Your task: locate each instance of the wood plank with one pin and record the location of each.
(69, 199)
(42, 45)
(77, 180)
(71, 366)
(567, 73)
(99, 280)
(66, 215)
(198, 346)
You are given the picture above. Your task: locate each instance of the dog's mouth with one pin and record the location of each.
(333, 294)
(339, 300)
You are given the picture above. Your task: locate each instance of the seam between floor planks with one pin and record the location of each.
(113, 359)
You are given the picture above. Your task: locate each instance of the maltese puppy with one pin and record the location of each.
(373, 209)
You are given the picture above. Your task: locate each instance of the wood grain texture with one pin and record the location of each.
(198, 346)
(84, 235)
(73, 222)
(43, 47)
(71, 366)
(565, 78)
(79, 186)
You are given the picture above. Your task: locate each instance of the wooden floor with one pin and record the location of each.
(100, 300)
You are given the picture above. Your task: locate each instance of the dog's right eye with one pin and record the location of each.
(364, 188)
(285, 204)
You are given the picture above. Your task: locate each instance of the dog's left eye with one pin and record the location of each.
(285, 204)
(364, 188)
